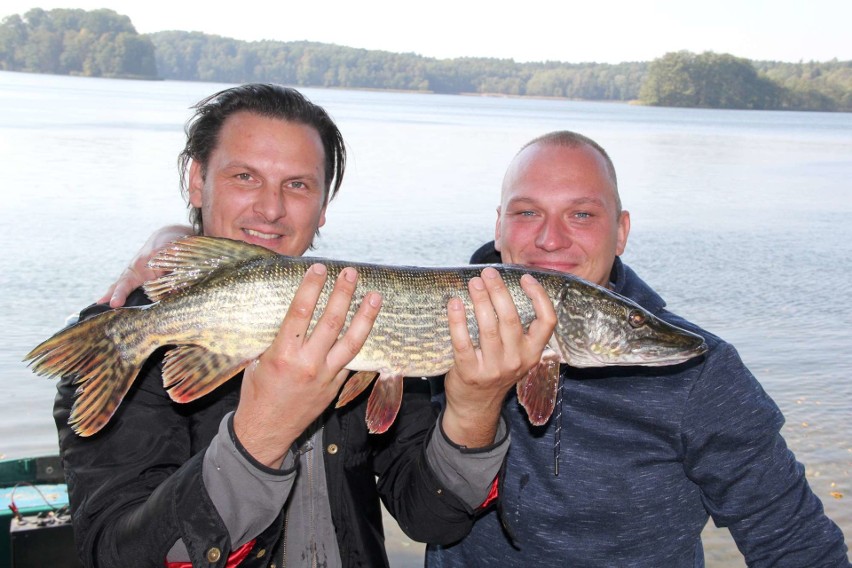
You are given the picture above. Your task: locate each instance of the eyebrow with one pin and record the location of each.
(242, 165)
(574, 202)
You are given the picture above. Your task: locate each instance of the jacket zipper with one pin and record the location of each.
(312, 496)
(308, 455)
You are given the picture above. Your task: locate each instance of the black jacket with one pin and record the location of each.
(136, 486)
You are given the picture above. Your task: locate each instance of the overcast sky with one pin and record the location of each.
(608, 31)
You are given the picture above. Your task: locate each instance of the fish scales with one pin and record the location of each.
(221, 304)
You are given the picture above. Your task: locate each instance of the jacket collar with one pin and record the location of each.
(627, 283)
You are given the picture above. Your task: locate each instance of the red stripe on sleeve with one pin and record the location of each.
(234, 559)
(493, 493)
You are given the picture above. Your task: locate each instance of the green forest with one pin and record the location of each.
(103, 43)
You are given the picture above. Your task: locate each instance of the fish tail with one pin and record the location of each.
(104, 370)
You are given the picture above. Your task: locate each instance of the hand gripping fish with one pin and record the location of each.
(221, 303)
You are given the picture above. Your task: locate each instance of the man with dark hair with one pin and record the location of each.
(263, 471)
(269, 101)
(633, 461)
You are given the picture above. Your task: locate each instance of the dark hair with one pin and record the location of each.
(273, 101)
(570, 139)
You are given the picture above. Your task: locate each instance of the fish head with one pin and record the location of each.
(597, 328)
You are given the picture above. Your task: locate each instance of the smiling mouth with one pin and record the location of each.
(259, 235)
(557, 266)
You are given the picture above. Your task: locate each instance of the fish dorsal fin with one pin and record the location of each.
(190, 259)
(191, 371)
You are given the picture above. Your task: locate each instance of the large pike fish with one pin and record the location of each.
(221, 303)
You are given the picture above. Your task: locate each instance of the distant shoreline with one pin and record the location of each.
(62, 41)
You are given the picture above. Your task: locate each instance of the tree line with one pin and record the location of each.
(713, 80)
(98, 43)
(103, 43)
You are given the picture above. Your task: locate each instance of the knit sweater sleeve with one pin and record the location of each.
(750, 481)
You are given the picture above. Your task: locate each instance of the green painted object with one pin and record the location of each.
(36, 487)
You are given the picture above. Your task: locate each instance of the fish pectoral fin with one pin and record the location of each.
(354, 386)
(191, 371)
(189, 260)
(384, 402)
(537, 391)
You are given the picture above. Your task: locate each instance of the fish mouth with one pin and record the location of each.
(644, 352)
(683, 349)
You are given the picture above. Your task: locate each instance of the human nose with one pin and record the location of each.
(553, 235)
(269, 203)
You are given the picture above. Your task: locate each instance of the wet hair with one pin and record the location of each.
(268, 100)
(570, 139)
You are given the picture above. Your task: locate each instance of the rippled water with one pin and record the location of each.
(740, 220)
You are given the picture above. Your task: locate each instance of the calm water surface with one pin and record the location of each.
(740, 220)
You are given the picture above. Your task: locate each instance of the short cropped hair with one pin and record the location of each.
(570, 139)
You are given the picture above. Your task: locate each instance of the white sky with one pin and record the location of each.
(606, 31)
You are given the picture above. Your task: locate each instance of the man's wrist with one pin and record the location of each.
(470, 430)
(266, 451)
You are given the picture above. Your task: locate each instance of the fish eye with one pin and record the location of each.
(636, 318)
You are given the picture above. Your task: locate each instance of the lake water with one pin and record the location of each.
(740, 219)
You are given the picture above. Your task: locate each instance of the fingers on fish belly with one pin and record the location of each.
(537, 391)
(384, 402)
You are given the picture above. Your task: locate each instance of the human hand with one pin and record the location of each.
(137, 272)
(479, 379)
(299, 375)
